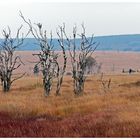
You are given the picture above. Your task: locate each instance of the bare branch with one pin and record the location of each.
(18, 77)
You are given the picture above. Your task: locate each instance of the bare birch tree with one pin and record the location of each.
(79, 53)
(9, 61)
(61, 69)
(47, 56)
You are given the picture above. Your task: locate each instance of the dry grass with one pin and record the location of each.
(114, 113)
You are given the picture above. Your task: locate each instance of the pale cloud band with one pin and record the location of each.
(99, 18)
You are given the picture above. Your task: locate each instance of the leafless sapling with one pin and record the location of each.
(105, 83)
(9, 61)
(36, 70)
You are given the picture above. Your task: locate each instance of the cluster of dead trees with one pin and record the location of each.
(47, 56)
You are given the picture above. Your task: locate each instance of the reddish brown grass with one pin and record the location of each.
(25, 112)
(101, 124)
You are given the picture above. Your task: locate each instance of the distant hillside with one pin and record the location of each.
(115, 42)
(119, 42)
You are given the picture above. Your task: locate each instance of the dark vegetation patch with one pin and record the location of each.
(133, 84)
(28, 88)
(101, 124)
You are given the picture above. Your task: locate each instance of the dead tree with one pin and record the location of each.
(47, 56)
(105, 83)
(79, 53)
(9, 61)
(61, 69)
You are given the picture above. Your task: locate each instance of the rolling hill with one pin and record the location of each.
(107, 43)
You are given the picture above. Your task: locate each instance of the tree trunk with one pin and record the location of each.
(79, 87)
(47, 87)
(58, 90)
(59, 83)
(6, 85)
(46, 92)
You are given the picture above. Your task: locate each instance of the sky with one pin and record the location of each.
(99, 18)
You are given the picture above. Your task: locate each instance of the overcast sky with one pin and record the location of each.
(99, 18)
